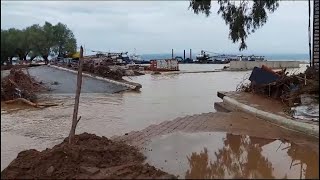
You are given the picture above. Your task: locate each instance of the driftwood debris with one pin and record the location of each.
(287, 88)
(37, 105)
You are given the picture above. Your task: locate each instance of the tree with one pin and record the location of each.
(34, 39)
(242, 17)
(23, 45)
(41, 40)
(65, 42)
(8, 47)
(47, 41)
(4, 46)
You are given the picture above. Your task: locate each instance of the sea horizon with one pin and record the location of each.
(270, 57)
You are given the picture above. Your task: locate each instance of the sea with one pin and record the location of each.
(268, 57)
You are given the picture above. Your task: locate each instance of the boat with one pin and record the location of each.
(137, 59)
(183, 61)
(205, 58)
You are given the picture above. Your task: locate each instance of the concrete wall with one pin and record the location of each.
(247, 65)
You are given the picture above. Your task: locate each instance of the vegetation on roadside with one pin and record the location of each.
(36, 40)
(243, 17)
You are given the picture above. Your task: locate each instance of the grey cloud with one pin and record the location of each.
(158, 26)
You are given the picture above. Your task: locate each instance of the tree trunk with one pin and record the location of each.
(32, 58)
(10, 60)
(60, 47)
(45, 57)
(4, 60)
(20, 56)
(75, 119)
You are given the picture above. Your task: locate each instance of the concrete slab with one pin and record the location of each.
(233, 122)
(67, 81)
(262, 103)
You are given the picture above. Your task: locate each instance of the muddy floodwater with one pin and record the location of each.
(221, 155)
(161, 98)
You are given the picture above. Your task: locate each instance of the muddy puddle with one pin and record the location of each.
(221, 155)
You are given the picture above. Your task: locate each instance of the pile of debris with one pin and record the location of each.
(96, 66)
(292, 90)
(279, 85)
(105, 71)
(104, 67)
(89, 157)
(10, 66)
(20, 86)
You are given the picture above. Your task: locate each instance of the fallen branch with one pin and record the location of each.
(78, 119)
(21, 100)
(48, 104)
(37, 105)
(15, 84)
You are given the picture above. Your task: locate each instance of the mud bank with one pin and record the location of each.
(90, 157)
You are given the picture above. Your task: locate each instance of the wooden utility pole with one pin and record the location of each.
(75, 118)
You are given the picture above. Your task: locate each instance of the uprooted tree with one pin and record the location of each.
(243, 17)
(36, 41)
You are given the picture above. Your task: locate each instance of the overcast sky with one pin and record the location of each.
(159, 26)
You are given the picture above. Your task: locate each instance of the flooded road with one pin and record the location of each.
(161, 98)
(221, 155)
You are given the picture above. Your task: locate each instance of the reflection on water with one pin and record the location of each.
(221, 155)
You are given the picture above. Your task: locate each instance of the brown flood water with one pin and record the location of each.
(162, 97)
(221, 155)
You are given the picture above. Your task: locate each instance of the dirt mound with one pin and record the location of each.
(89, 157)
(18, 84)
(9, 66)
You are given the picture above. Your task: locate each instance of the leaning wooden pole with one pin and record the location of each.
(75, 119)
